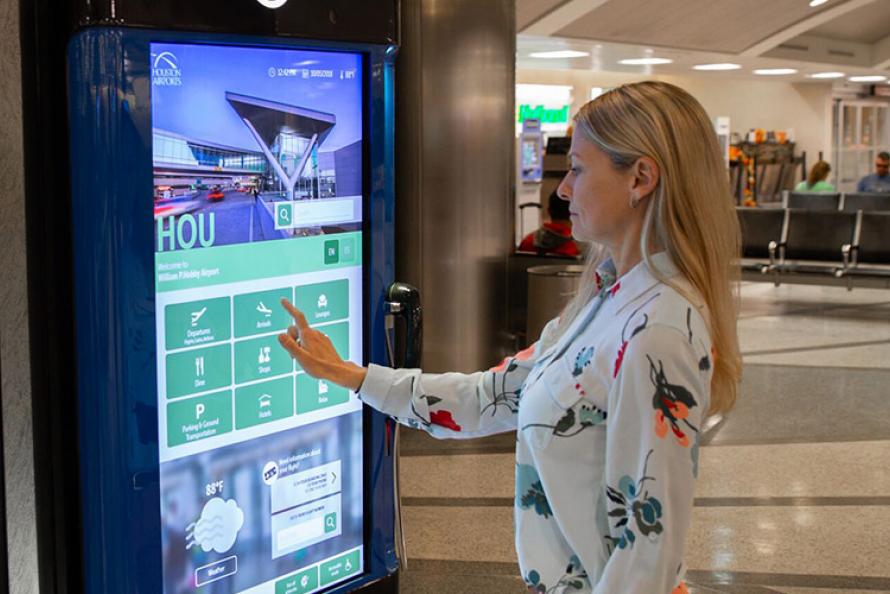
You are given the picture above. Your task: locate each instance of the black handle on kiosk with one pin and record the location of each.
(403, 303)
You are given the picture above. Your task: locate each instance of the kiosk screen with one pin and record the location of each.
(257, 157)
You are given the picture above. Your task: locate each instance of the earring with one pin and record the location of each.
(634, 201)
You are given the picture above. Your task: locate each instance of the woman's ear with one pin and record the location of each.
(645, 177)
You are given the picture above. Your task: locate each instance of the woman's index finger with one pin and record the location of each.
(298, 316)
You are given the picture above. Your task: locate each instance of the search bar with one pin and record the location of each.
(294, 536)
(318, 212)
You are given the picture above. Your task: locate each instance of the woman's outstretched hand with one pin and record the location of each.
(314, 351)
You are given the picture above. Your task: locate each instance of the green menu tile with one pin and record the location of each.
(324, 302)
(264, 402)
(260, 358)
(199, 370)
(339, 335)
(340, 567)
(262, 313)
(313, 394)
(198, 418)
(197, 322)
(305, 581)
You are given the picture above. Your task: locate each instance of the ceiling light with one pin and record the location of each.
(559, 54)
(774, 71)
(645, 61)
(716, 67)
(870, 78)
(815, 3)
(827, 75)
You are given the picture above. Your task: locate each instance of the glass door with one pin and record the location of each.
(859, 133)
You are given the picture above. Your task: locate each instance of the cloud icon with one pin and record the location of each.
(217, 527)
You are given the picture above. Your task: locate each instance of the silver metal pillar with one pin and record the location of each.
(454, 173)
(18, 447)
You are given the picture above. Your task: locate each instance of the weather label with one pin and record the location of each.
(258, 198)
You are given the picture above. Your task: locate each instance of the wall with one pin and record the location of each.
(749, 103)
(14, 356)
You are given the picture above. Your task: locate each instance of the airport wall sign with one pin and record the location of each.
(546, 115)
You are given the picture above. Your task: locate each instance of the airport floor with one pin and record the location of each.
(794, 491)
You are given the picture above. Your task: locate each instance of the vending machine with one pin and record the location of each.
(218, 159)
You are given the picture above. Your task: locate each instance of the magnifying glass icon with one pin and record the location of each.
(285, 215)
(331, 523)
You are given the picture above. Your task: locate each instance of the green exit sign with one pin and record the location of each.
(559, 115)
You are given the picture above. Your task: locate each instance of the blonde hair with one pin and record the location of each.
(818, 173)
(689, 214)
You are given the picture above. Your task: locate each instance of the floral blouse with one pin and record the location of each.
(608, 423)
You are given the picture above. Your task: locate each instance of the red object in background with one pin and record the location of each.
(563, 230)
(215, 194)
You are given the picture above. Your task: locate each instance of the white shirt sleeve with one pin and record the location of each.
(453, 405)
(656, 407)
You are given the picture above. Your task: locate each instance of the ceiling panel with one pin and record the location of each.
(708, 25)
(868, 24)
(529, 11)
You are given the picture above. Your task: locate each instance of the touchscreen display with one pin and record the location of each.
(257, 159)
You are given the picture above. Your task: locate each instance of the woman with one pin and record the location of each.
(815, 182)
(608, 405)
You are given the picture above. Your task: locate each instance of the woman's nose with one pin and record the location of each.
(564, 190)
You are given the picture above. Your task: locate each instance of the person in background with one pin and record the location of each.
(610, 403)
(555, 236)
(879, 181)
(815, 182)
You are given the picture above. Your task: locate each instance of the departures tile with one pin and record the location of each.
(460, 533)
(842, 469)
(844, 541)
(489, 475)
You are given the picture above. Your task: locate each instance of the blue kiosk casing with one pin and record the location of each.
(244, 497)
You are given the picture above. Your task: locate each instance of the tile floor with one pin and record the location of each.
(794, 490)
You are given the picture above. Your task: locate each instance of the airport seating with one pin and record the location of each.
(812, 200)
(814, 240)
(761, 227)
(854, 201)
(816, 246)
(868, 256)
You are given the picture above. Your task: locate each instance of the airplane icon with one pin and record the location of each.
(263, 309)
(196, 315)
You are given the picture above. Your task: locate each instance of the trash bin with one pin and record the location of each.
(550, 288)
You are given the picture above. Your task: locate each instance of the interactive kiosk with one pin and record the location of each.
(223, 157)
